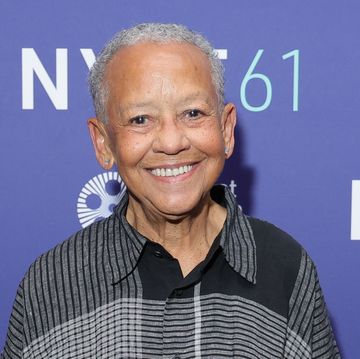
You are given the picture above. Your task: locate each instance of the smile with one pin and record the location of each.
(171, 172)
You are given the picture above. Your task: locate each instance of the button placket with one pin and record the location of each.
(171, 343)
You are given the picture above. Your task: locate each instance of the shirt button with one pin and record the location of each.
(158, 253)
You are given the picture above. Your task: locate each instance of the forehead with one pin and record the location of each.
(148, 60)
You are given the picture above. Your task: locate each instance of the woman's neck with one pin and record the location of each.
(188, 237)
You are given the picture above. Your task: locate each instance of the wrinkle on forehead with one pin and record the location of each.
(166, 86)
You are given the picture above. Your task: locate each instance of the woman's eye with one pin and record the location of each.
(139, 120)
(194, 113)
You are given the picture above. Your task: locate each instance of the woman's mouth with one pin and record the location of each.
(171, 172)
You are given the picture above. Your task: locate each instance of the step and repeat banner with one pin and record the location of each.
(292, 70)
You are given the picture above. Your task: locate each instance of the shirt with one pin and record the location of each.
(108, 292)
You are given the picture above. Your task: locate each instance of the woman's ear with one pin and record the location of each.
(228, 122)
(101, 143)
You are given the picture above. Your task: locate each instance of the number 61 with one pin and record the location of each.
(251, 75)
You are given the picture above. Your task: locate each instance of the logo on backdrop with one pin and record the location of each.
(98, 197)
(58, 90)
(355, 210)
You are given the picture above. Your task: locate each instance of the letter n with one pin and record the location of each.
(32, 65)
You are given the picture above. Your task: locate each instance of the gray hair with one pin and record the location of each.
(150, 32)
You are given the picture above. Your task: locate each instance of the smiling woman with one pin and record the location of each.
(163, 114)
(177, 270)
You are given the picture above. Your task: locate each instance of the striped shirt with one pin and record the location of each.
(108, 292)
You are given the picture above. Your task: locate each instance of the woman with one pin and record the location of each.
(178, 271)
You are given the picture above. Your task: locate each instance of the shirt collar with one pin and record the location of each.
(125, 244)
(237, 239)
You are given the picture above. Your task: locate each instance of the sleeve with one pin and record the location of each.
(14, 344)
(309, 332)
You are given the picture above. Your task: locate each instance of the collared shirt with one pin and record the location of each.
(108, 292)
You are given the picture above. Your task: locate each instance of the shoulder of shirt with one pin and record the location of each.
(74, 245)
(273, 238)
(275, 248)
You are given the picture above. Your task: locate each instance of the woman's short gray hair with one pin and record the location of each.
(152, 32)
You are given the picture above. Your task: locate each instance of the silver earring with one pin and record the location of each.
(107, 161)
(226, 150)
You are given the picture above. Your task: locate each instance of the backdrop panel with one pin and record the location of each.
(292, 71)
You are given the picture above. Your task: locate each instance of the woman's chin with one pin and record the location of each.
(176, 206)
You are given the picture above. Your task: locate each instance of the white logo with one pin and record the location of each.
(99, 196)
(355, 210)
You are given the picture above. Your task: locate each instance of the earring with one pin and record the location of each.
(107, 161)
(226, 150)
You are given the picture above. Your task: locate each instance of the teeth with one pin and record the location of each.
(171, 172)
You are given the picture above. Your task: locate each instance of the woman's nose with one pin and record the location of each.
(171, 137)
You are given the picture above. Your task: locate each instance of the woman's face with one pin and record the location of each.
(165, 131)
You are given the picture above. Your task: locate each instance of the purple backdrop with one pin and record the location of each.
(291, 69)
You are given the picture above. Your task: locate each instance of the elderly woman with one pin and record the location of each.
(178, 271)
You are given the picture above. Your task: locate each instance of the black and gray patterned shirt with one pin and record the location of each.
(108, 292)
